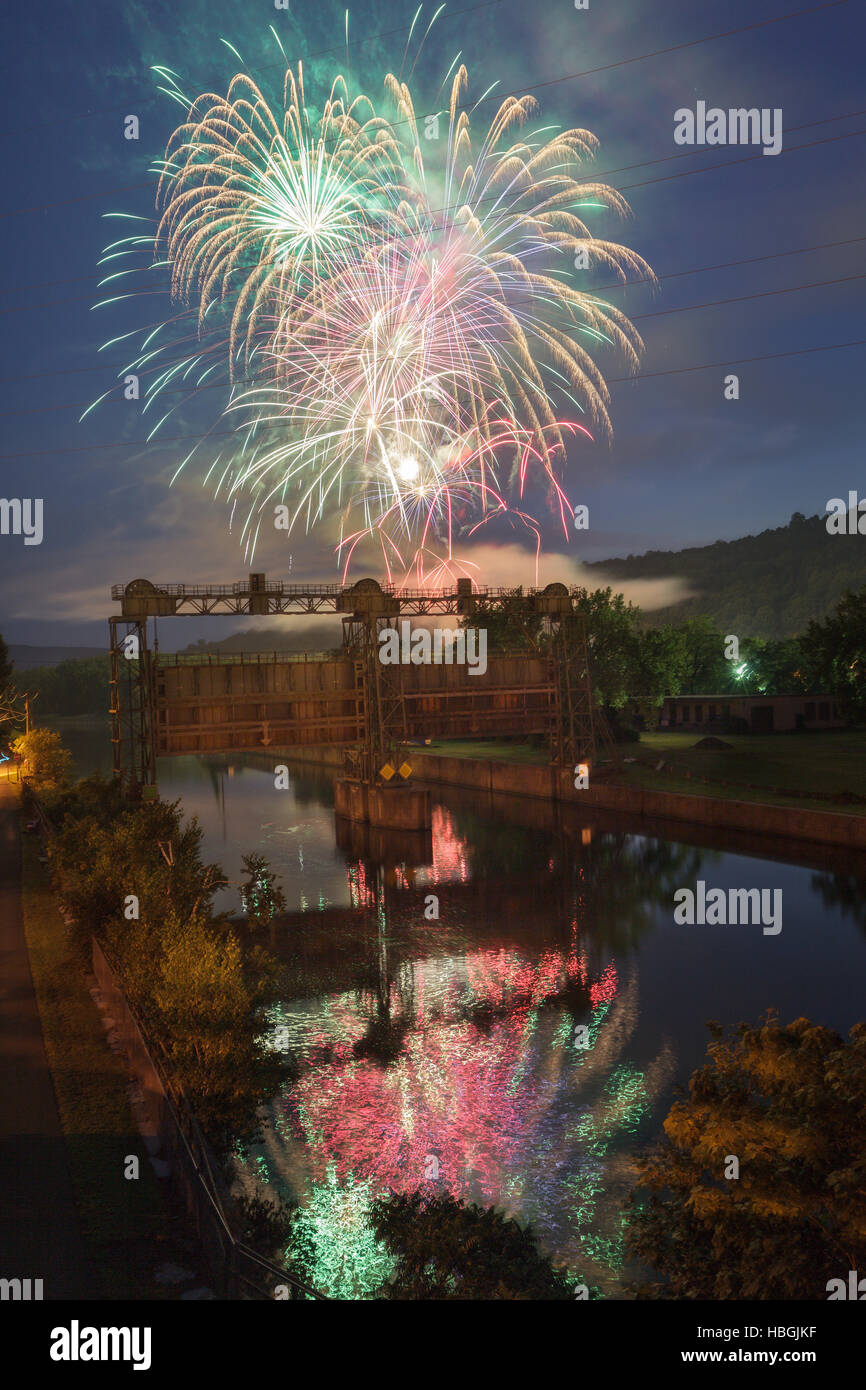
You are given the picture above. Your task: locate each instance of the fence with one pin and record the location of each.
(218, 658)
(238, 1271)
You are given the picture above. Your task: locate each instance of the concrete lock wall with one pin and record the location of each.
(351, 799)
(219, 707)
(545, 783)
(384, 807)
(820, 827)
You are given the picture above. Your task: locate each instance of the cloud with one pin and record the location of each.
(509, 566)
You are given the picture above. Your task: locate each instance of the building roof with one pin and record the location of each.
(744, 695)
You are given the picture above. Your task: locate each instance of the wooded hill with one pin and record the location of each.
(769, 585)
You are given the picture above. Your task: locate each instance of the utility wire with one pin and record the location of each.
(639, 376)
(255, 381)
(473, 106)
(138, 291)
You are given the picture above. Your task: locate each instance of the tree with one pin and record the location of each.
(834, 653)
(262, 899)
(445, 1248)
(209, 1007)
(134, 877)
(48, 763)
(789, 1103)
(72, 687)
(106, 850)
(612, 628)
(703, 669)
(662, 657)
(9, 703)
(6, 667)
(768, 668)
(802, 569)
(510, 623)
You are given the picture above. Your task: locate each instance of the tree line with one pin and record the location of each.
(771, 585)
(632, 663)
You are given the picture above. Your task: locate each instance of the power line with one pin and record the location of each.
(729, 265)
(168, 362)
(138, 291)
(741, 298)
(221, 434)
(264, 67)
(746, 159)
(737, 362)
(252, 381)
(500, 96)
(251, 265)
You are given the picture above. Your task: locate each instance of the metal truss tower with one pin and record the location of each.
(367, 611)
(131, 704)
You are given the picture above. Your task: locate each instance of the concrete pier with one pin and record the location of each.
(384, 808)
(400, 808)
(350, 799)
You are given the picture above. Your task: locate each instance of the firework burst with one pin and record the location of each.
(259, 208)
(401, 332)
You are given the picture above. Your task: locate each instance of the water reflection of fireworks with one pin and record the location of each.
(489, 1088)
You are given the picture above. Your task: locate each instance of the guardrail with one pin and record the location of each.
(276, 586)
(163, 659)
(239, 1271)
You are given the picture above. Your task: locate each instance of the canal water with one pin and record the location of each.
(502, 1008)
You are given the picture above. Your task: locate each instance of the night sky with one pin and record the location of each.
(684, 466)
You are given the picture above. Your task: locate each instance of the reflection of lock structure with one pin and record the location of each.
(431, 1168)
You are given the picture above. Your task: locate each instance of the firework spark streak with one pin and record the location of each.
(397, 330)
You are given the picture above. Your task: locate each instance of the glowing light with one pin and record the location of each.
(408, 469)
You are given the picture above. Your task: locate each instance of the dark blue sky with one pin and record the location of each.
(684, 467)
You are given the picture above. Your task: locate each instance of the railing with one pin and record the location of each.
(278, 658)
(240, 1271)
(276, 586)
(244, 658)
(240, 586)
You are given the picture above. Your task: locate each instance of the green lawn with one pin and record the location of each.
(755, 768)
(758, 767)
(485, 749)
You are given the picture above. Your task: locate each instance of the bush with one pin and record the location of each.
(46, 761)
(790, 1104)
(448, 1249)
(133, 876)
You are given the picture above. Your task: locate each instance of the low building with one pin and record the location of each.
(749, 714)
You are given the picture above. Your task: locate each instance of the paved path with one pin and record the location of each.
(39, 1232)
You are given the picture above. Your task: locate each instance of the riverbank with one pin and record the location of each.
(39, 1215)
(629, 795)
(129, 1227)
